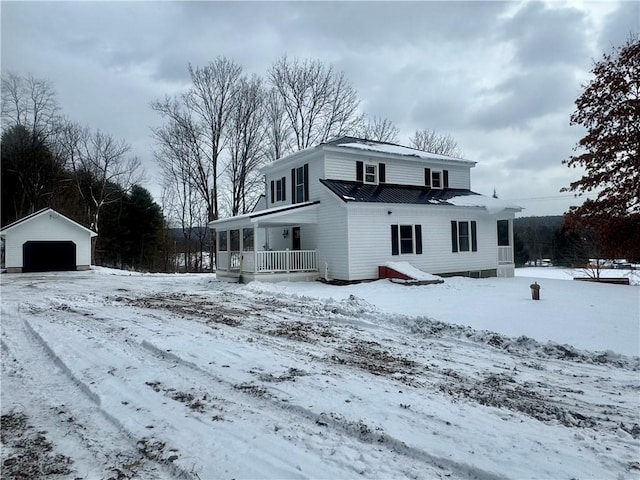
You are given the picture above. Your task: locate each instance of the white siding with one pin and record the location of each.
(370, 239)
(316, 170)
(46, 227)
(332, 236)
(400, 172)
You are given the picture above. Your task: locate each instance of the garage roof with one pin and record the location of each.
(39, 213)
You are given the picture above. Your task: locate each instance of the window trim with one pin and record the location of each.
(429, 175)
(300, 184)
(374, 166)
(507, 232)
(248, 240)
(223, 241)
(440, 179)
(397, 239)
(471, 236)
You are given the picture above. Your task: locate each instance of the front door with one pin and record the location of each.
(296, 238)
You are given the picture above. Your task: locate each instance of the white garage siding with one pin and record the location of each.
(46, 226)
(370, 239)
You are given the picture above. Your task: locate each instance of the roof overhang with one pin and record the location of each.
(296, 214)
(40, 213)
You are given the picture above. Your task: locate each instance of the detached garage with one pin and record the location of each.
(46, 241)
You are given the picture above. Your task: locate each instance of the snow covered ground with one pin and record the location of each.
(106, 374)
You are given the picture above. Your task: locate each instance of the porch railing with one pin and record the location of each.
(505, 255)
(286, 261)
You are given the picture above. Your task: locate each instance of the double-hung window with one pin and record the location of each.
(406, 239)
(464, 236)
(278, 190)
(372, 173)
(436, 178)
(300, 184)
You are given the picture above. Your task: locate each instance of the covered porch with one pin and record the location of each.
(276, 244)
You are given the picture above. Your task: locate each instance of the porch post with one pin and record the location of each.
(255, 248)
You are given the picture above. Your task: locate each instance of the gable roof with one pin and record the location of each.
(43, 212)
(364, 146)
(349, 191)
(387, 148)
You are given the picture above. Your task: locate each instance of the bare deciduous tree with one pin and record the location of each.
(246, 134)
(30, 168)
(210, 100)
(278, 134)
(319, 103)
(432, 142)
(101, 164)
(30, 103)
(379, 129)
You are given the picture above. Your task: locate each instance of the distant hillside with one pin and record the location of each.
(536, 233)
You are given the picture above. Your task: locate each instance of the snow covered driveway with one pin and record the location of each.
(168, 376)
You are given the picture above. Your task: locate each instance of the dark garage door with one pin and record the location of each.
(48, 256)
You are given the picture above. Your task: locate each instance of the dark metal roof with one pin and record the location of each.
(388, 193)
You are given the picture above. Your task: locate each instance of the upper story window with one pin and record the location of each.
(370, 173)
(373, 173)
(278, 190)
(300, 184)
(436, 178)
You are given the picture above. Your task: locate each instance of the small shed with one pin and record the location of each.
(46, 241)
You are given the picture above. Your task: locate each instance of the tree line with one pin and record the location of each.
(50, 161)
(216, 136)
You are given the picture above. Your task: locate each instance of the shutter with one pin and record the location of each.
(445, 178)
(382, 172)
(284, 188)
(454, 236)
(427, 177)
(474, 237)
(359, 172)
(394, 240)
(306, 182)
(418, 239)
(273, 192)
(293, 186)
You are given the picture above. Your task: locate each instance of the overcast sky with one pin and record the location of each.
(501, 77)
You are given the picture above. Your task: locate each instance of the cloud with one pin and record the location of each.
(618, 25)
(546, 36)
(500, 77)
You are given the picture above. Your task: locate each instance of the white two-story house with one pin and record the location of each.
(343, 208)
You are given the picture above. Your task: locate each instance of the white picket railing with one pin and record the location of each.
(505, 255)
(286, 261)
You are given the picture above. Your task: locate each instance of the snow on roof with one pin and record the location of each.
(410, 271)
(492, 205)
(399, 150)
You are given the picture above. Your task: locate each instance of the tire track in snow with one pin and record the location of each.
(24, 359)
(355, 429)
